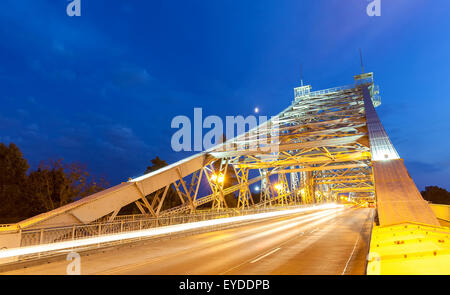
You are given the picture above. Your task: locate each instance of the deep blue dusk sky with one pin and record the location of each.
(102, 88)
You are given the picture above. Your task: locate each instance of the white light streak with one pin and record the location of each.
(153, 232)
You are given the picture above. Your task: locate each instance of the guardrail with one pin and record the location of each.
(44, 239)
(127, 224)
(135, 217)
(331, 90)
(299, 94)
(376, 99)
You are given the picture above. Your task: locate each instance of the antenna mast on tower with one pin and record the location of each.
(361, 59)
(301, 75)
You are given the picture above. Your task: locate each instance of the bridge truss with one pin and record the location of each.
(321, 146)
(325, 144)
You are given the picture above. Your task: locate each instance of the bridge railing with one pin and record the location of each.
(300, 92)
(330, 90)
(134, 217)
(70, 233)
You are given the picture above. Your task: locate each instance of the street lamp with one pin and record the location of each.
(278, 187)
(214, 177)
(218, 178)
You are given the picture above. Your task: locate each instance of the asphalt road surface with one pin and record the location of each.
(322, 242)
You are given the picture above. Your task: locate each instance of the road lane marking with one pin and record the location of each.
(356, 243)
(265, 255)
(351, 255)
(353, 251)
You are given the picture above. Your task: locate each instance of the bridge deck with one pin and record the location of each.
(398, 199)
(333, 241)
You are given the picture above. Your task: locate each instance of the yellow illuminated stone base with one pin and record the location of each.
(409, 249)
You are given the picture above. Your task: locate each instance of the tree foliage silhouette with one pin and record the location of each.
(436, 195)
(51, 185)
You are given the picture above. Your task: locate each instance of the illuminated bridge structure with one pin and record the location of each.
(325, 144)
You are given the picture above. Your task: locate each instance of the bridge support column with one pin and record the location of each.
(216, 181)
(282, 188)
(266, 188)
(244, 191)
(295, 185)
(307, 187)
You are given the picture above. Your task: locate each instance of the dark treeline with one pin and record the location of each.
(436, 195)
(25, 193)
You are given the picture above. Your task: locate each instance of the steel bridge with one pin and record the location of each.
(324, 146)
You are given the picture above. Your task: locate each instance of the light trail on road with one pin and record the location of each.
(154, 231)
(312, 242)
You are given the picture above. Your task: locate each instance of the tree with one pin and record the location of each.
(436, 195)
(13, 169)
(157, 163)
(52, 185)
